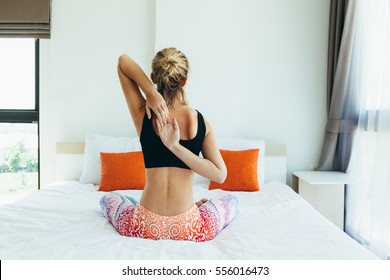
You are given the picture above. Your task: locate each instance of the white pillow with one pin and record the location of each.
(96, 143)
(240, 144)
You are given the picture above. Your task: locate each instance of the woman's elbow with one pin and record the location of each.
(122, 58)
(221, 176)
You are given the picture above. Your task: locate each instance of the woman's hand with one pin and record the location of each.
(169, 133)
(157, 103)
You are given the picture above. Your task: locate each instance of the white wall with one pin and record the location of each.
(258, 68)
(80, 91)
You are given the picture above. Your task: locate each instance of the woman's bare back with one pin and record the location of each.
(168, 190)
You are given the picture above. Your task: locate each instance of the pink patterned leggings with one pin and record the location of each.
(196, 224)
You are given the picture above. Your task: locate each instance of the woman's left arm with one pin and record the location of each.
(132, 77)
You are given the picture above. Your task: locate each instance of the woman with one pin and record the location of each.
(172, 136)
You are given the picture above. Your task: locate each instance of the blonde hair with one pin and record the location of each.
(170, 68)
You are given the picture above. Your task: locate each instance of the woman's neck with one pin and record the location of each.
(177, 105)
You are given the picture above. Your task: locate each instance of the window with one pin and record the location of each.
(19, 116)
(375, 82)
(368, 198)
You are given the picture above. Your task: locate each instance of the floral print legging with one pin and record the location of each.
(196, 224)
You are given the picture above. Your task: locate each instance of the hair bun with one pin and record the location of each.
(172, 59)
(169, 62)
(170, 68)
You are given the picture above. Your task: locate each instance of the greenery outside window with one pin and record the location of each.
(19, 117)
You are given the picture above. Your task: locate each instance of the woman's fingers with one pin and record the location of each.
(175, 124)
(160, 109)
(148, 112)
(162, 115)
(159, 127)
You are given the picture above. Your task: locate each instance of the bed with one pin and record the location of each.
(64, 221)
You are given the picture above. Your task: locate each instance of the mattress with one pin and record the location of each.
(64, 221)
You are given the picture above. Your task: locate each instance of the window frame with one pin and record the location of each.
(27, 115)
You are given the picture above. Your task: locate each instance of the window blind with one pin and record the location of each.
(25, 18)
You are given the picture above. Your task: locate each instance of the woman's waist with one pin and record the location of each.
(192, 210)
(168, 191)
(167, 199)
(168, 179)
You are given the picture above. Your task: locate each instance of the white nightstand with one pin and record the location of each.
(324, 190)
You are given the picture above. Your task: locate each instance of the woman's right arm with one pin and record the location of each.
(132, 78)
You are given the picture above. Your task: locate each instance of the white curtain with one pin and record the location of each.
(368, 200)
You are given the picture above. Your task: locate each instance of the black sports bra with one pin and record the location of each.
(157, 155)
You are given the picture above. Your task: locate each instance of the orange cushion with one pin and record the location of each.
(122, 171)
(241, 171)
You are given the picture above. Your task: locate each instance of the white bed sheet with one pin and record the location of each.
(64, 221)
